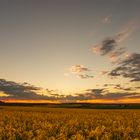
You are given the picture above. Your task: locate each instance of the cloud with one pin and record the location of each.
(107, 19)
(106, 85)
(109, 46)
(114, 56)
(89, 94)
(123, 87)
(127, 31)
(96, 49)
(102, 94)
(80, 71)
(128, 68)
(96, 91)
(105, 47)
(122, 36)
(85, 76)
(26, 91)
(15, 90)
(127, 65)
(122, 95)
(119, 87)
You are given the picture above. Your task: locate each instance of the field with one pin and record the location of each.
(41, 123)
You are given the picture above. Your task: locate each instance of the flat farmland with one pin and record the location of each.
(42, 123)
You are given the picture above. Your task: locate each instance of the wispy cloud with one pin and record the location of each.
(115, 56)
(127, 31)
(107, 19)
(104, 72)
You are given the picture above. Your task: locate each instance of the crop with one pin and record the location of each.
(40, 123)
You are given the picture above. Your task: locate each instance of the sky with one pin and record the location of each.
(70, 50)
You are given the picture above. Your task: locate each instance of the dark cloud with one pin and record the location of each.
(119, 87)
(105, 47)
(125, 87)
(15, 90)
(108, 45)
(121, 95)
(128, 68)
(101, 94)
(26, 91)
(96, 91)
(88, 95)
(93, 94)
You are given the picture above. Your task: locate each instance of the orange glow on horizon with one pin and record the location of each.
(126, 100)
(29, 101)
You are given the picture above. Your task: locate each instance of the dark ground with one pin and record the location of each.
(78, 105)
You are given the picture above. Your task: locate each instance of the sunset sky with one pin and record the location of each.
(70, 50)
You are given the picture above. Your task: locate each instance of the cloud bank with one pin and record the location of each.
(17, 91)
(25, 91)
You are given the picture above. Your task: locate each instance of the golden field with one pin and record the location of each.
(40, 123)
